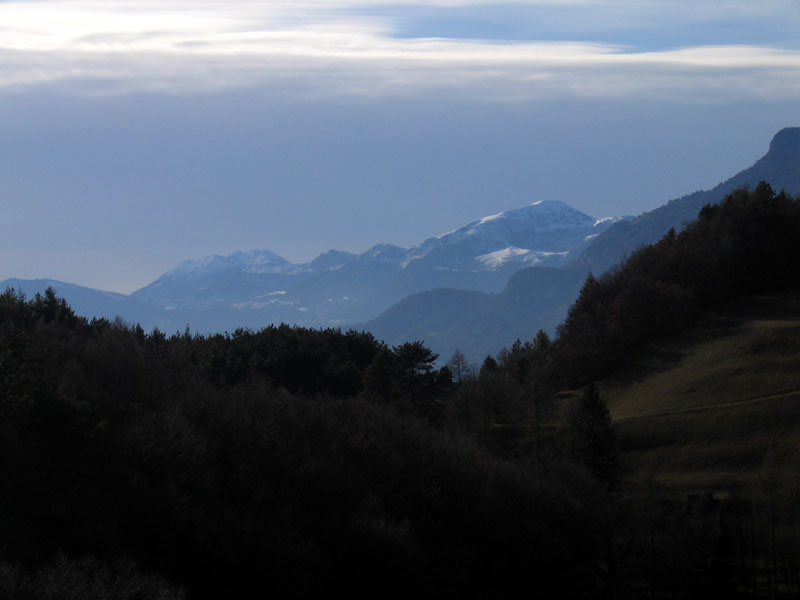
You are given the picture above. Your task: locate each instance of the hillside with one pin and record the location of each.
(717, 407)
(746, 245)
(780, 167)
(476, 323)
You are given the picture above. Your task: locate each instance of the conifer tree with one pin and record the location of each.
(595, 442)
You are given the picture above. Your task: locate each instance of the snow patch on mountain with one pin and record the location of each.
(605, 220)
(485, 220)
(523, 256)
(499, 257)
(252, 304)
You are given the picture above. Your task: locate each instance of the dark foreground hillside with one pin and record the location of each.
(301, 463)
(134, 465)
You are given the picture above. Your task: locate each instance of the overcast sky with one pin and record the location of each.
(136, 134)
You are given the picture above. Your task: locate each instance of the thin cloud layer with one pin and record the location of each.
(342, 49)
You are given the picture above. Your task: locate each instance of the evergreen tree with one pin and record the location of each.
(489, 365)
(380, 376)
(594, 439)
(541, 342)
(413, 358)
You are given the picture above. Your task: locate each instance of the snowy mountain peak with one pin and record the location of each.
(541, 215)
(254, 261)
(542, 232)
(551, 204)
(497, 230)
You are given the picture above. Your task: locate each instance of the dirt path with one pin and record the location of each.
(709, 407)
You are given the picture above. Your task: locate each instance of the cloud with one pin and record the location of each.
(188, 47)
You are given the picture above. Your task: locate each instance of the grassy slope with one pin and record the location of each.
(715, 408)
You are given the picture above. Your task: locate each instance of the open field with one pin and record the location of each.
(716, 409)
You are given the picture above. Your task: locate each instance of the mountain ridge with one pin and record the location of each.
(780, 167)
(254, 288)
(339, 288)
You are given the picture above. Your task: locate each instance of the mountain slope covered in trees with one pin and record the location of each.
(780, 167)
(749, 243)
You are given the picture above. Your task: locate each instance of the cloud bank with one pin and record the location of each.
(350, 49)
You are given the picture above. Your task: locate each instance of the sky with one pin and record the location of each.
(137, 134)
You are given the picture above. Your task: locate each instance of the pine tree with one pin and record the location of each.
(595, 442)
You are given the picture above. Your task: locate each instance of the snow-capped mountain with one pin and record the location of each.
(254, 261)
(336, 288)
(258, 287)
(545, 233)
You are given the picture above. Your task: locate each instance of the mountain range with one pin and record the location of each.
(476, 288)
(256, 288)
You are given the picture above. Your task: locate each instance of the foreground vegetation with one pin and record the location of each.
(300, 462)
(209, 465)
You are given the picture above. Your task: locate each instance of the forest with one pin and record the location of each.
(304, 462)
